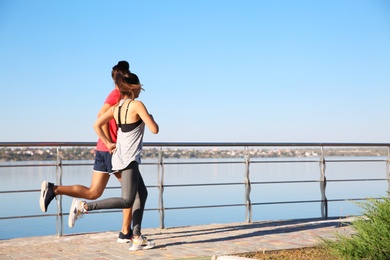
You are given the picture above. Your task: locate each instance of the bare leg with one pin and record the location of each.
(98, 184)
(127, 214)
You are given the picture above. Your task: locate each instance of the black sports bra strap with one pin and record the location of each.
(119, 113)
(119, 116)
(127, 109)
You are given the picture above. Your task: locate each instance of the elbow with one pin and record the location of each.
(155, 130)
(96, 126)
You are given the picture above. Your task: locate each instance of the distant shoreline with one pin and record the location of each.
(82, 153)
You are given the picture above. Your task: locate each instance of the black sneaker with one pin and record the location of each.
(125, 238)
(47, 195)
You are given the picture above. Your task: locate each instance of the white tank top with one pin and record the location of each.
(129, 142)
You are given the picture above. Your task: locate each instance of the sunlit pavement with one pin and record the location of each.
(192, 242)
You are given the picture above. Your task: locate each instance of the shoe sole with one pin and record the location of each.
(148, 247)
(70, 224)
(123, 241)
(142, 247)
(44, 189)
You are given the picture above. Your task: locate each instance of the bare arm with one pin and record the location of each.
(146, 117)
(99, 129)
(105, 127)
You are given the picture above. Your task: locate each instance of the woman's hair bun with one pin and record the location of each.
(123, 65)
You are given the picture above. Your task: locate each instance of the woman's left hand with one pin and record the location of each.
(111, 147)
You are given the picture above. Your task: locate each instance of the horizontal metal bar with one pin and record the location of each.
(308, 201)
(202, 184)
(283, 182)
(27, 165)
(224, 184)
(17, 191)
(199, 144)
(205, 206)
(354, 160)
(311, 181)
(256, 161)
(317, 161)
(29, 216)
(253, 161)
(351, 180)
(200, 162)
(197, 207)
(64, 214)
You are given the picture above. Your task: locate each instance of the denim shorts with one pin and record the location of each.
(103, 162)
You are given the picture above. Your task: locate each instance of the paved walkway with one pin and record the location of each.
(192, 242)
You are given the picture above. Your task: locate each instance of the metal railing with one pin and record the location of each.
(246, 160)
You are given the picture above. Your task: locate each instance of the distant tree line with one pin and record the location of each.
(88, 153)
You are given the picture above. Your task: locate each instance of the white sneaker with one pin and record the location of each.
(76, 211)
(141, 243)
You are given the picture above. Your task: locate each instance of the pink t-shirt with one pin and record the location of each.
(111, 99)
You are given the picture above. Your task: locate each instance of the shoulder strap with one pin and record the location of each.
(119, 116)
(127, 109)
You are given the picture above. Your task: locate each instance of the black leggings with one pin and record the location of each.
(134, 194)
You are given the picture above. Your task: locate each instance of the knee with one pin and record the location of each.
(128, 203)
(93, 195)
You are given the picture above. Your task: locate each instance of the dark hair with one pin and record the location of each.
(127, 84)
(123, 67)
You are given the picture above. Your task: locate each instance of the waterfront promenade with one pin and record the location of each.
(215, 241)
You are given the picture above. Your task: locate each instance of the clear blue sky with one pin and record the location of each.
(213, 70)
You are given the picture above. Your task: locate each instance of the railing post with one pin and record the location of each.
(59, 221)
(160, 171)
(248, 212)
(324, 200)
(388, 170)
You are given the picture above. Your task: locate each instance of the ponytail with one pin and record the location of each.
(127, 84)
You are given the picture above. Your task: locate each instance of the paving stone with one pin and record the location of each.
(191, 242)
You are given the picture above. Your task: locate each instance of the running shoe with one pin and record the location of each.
(76, 211)
(47, 195)
(125, 238)
(141, 243)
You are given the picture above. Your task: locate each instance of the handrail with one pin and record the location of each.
(199, 144)
(246, 160)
